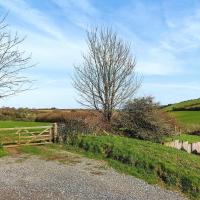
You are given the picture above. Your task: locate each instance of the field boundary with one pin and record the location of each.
(35, 135)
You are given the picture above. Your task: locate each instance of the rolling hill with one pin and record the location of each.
(190, 105)
(187, 113)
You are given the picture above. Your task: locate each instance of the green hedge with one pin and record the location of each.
(152, 162)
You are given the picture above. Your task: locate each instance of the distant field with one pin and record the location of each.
(193, 104)
(187, 117)
(13, 124)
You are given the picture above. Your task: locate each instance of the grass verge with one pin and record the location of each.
(152, 162)
(2, 152)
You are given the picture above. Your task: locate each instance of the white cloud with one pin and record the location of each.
(183, 33)
(156, 61)
(80, 12)
(32, 16)
(171, 92)
(57, 47)
(60, 51)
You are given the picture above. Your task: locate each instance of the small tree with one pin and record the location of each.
(13, 62)
(106, 79)
(143, 119)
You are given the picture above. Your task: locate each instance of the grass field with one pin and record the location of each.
(189, 120)
(185, 114)
(190, 104)
(13, 124)
(187, 117)
(152, 162)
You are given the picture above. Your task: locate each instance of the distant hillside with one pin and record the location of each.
(190, 105)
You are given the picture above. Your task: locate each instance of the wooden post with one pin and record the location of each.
(55, 132)
(175, 129)
(50, 135)
(18, 132)
(18, 136)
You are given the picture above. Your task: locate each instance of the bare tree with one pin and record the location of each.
(106, 79)
(13, 63)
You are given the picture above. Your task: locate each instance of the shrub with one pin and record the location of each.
(24, 114)
(93, 120)
(143, 119)
(63, 116)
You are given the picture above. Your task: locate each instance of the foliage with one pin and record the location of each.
(63, 116)
(77, 121)
(153, 162)
(142, 118)
(23, 114)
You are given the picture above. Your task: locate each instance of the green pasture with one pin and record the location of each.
(189, 120)
(14, 124)
(194, 103)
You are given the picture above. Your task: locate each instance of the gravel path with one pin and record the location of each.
(28, 177)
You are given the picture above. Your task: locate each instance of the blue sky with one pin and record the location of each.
(165, 38)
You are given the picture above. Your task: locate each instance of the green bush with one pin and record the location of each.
(143, 119)
(153, 162)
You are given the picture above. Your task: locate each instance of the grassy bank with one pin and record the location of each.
(152, 162)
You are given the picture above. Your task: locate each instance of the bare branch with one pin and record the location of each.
(106, 79)
(13, 63)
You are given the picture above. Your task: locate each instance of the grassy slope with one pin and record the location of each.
(187, 118)
(152, 162)
(184, 104)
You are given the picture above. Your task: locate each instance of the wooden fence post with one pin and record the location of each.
(19, 137)
(55, 132)
(51, 136)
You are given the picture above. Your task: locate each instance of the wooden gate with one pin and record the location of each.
(28, 135)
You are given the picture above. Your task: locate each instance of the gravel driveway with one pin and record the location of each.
(29, 177)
